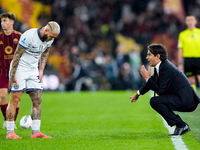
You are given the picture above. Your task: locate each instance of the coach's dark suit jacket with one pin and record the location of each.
(172, 81)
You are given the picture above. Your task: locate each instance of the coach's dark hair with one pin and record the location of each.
(8, 15)
(158, 49)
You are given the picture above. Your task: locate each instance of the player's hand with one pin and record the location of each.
(41, 75)
(145, 73)
(134, 97)
(12, 80)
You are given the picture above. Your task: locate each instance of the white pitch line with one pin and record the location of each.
(177, 140)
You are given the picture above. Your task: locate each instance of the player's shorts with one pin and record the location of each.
(4, 82)
(191, 66)
(28, 80)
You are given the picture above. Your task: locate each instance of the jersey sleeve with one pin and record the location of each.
(180, 41)
(25, 40)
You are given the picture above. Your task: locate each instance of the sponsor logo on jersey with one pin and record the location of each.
(41, 47)
(15, 40)
(23, 41)
(8, 49)
(1, 42)
(8, 56)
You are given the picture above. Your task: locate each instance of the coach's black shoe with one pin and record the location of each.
(181, 131)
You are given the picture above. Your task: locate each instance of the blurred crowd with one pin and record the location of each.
(103, 43)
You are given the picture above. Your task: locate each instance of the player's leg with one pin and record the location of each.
(189, 69)
(3, 103)
(197, 69)
(3, 100)
(3, 97)
(192, 81)
(198, 77)
(36, 97)
(17, 111)
(15, 97)
(11, 113)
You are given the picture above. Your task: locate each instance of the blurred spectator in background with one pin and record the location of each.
(64, 73)
(78, 80)
(121, 57)
(135, 62)
(124, 79)
(111, 72)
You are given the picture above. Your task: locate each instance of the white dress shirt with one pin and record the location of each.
(157, 67)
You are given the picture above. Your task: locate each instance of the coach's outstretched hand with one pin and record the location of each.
(134, 97)
(41, 75)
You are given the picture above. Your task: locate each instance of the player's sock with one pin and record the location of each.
(36, 130)
(10, 126)
(194, 86)
(3, 110)
(17, 111)
(4, 125)
(35, 126)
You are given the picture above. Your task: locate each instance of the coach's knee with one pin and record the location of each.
(153, 102)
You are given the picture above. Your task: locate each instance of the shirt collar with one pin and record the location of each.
(192, 30)
(157, 67)
(38, 31)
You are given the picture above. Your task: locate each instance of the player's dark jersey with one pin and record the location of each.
(8, 45)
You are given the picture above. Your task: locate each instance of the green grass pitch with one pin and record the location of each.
(98, 121)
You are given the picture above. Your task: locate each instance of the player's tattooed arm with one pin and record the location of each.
(19, 51)
(43, 59)
(36, 97)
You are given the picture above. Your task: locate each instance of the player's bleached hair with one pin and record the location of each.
(53, 26)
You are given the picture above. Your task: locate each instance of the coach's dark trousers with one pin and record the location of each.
(166, 104)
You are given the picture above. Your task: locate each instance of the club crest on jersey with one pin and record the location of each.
(41, 47)
(23, 41)
(16, 86)
(15, 40)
